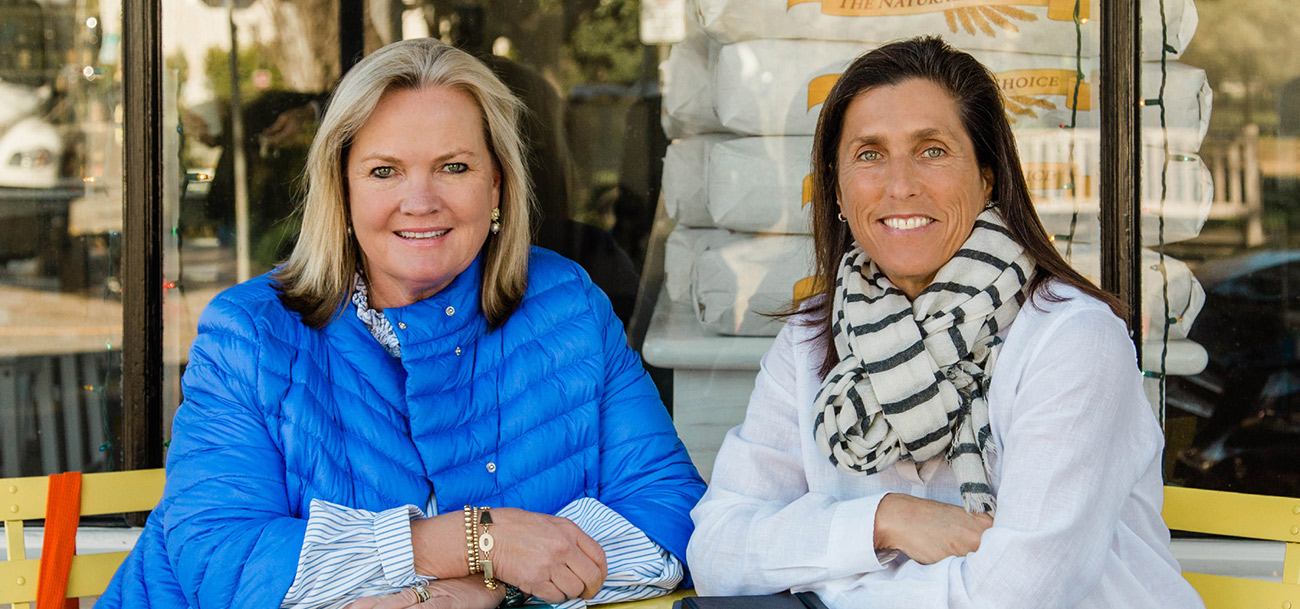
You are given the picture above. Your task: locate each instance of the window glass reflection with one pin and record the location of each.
(1234, 425)
(60, 237)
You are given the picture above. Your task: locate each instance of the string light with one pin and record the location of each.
(105, 421)
(1074, 123)
(1164, 192)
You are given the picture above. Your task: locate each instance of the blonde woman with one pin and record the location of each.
(417, 409)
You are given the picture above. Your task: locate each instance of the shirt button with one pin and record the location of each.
(457, 350)
(401, 324)
(491, 467)
(451, 310)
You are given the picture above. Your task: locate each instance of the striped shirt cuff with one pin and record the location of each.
(348, 553)
(638, 568)
(392, 531)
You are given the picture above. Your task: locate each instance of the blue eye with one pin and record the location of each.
(382, 172)
(456, 167)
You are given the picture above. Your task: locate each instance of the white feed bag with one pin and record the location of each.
(738, 279)
(762, 185)
(1180, 357)
(685, 181)
(1185, 294)
(1026, 26)
(688, 87)
(756, 184)
(734, 284)
(682, 248)
(776, 87)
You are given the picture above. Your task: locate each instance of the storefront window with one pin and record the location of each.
(1230, 399)
(229, 210)
(60, 236)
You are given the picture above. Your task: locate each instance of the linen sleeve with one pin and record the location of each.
(349, 553)
(759, 529)
(1080, 438)
(646, 476)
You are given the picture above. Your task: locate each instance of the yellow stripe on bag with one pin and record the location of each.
(1013, 82)
(1046, 82)
(1057, 10)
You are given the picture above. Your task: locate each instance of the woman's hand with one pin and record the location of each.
(458, 593)
(546, 556)
(927, 531)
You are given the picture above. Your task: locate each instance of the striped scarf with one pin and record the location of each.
(913, 376)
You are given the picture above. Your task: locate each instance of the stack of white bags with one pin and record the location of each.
(743, 92)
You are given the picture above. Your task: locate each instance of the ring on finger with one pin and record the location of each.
(421, 593)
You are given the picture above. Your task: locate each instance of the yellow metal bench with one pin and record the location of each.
(23, 499)
(1239, 515)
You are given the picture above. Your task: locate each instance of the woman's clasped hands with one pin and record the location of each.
(547, 557)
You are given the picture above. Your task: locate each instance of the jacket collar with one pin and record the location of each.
(450, 312)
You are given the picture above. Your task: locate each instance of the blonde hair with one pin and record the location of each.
(318, 276)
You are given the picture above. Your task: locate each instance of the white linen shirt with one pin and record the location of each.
(1075, 468)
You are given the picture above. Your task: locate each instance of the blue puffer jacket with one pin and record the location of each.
(550, 407)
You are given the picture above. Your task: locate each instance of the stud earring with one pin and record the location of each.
(496, 220)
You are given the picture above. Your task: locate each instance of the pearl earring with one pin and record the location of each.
(496, 220)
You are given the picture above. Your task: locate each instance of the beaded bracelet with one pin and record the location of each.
(471, 522)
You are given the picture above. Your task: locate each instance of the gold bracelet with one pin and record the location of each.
(485, 544)
(471, 521)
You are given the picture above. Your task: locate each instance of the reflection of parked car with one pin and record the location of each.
(30, 147)
(1249, 394)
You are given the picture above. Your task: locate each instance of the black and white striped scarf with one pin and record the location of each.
(913, 376)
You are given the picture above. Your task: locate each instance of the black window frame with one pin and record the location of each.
(142, 285)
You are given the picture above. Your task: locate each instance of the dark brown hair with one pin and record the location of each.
(979, 100)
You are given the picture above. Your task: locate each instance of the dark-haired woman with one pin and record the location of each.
(957, 419)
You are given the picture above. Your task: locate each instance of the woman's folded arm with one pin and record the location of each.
(1079, 439)
(758, 528)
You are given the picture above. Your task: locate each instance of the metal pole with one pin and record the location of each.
(242, 267)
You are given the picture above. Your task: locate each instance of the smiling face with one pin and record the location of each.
(421, 189)
(908, 181)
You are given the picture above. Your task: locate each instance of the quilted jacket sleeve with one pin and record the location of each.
(229, 532)
(645, 474)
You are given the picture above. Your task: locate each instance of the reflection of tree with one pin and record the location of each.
(605, 46)
(570, 42)
(307, 43)
(1247, 50)
(258, 56)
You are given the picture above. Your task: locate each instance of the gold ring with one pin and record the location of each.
(421, 593)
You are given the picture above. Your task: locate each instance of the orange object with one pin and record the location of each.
(62, 515)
